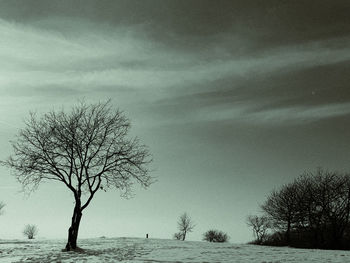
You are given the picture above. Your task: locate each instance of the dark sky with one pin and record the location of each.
(234, 98)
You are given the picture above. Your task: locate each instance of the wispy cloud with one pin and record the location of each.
(125, 61)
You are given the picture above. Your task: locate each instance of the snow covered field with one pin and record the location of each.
(158, 250)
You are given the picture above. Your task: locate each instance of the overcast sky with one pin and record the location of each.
(234, 98)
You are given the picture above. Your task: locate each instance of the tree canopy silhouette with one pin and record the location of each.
(312, 211)
(87, 149)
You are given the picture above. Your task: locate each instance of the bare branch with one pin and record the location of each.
(87, 149)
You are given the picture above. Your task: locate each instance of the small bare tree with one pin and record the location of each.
(2, 205)
(86, 149)
(260, 225)
(30, 231)
(185, 225)
(280, 206)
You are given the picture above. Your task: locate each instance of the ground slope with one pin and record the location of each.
(158, 250)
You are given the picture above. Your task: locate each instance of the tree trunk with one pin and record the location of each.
(183, 236)
(337, 237)
(74, 228)
(288, 232)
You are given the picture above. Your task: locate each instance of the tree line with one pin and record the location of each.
(313, 211)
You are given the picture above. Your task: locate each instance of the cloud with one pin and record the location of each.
(64, 56)
(285, 83)
(279, 21)
(297, 115)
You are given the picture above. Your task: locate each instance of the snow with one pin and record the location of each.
(158, 250)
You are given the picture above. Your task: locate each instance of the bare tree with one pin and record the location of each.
(280, 206)
(86, 149)
(2, 205)
(185, 225)
(30, 231)
(260, 225)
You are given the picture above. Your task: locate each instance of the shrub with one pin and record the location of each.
(30, 231)
(215, 236)
(178, 236)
